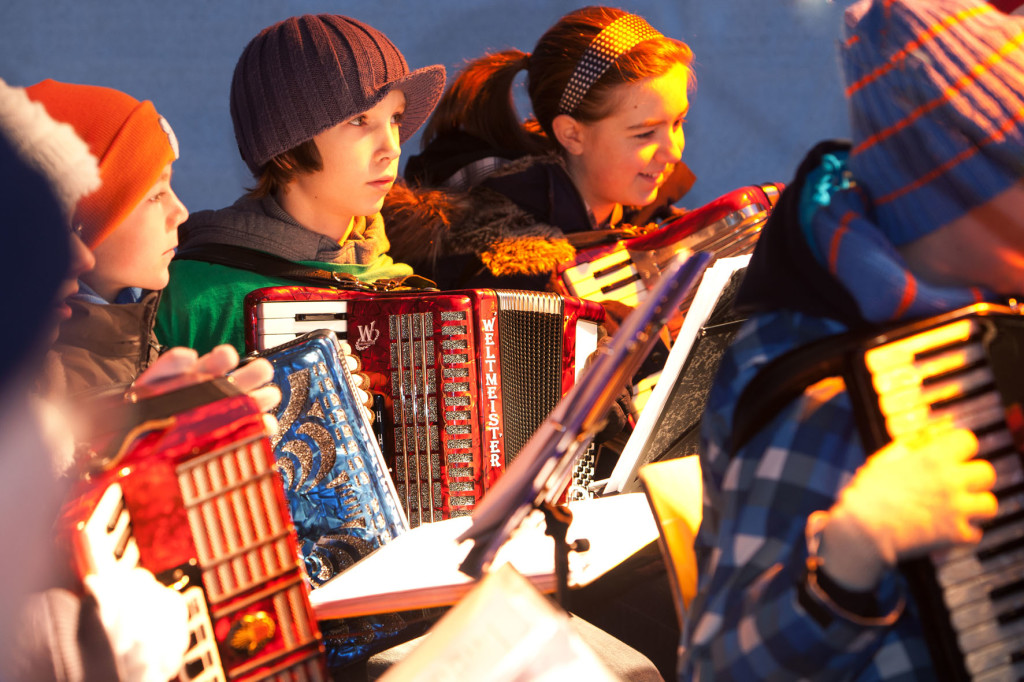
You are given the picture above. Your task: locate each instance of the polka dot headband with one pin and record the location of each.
(617, 38)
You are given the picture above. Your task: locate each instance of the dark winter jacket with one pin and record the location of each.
(511, 231)
(104, 346)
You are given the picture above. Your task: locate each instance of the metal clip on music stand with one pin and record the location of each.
(539, 474)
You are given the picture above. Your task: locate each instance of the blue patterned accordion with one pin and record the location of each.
(341, 497)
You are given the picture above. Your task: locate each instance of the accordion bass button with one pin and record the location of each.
(250, 633)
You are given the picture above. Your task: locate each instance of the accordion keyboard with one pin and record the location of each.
(944, 378)
(219, 533)
(728, 226)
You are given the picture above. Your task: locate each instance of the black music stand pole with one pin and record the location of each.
(557, 518)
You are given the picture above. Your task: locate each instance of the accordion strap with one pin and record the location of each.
(270, 265)
(122, 415)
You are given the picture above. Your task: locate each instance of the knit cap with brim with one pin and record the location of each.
(936, 98)
(131, 141)
(306, 74)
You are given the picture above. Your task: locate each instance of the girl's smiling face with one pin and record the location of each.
(625, 157)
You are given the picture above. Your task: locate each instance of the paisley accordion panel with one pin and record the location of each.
(464, 377)
(341, 498)
(965, 370)
(195, 500)
(627, 269)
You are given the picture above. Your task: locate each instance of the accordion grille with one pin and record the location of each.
(434, 425)
(241, 534)
(531, 332)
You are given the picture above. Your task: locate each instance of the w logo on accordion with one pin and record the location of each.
(368, 335)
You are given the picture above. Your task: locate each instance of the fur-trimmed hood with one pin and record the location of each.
(435, 231)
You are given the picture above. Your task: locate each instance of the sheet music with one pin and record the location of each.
(420, 568)
(708, 292)
(504, 630)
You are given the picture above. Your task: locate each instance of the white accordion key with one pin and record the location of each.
(289, 325)
(586, 279)
(105, 538)
(281, 321)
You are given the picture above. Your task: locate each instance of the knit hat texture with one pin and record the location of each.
(131, 141)
(305, 74)
(936, 95)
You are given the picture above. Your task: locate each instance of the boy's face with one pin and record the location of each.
(82, 261)
(138, 251)
(360, 162)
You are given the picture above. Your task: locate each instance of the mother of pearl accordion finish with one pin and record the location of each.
(341, 498)
(195, 499)
(464, 377)
(343, 502)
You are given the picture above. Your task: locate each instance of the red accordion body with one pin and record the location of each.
(195, 500)
(465, 376)
(625, 270)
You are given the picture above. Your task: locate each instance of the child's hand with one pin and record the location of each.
(905, 501)
(187, 366)
(146, 623)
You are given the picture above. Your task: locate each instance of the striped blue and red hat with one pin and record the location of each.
(936, 96)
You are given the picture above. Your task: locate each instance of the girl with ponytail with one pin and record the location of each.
(602, 147)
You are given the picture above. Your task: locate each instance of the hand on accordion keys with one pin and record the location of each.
(145, 621)
(908, 499)
(183, 366)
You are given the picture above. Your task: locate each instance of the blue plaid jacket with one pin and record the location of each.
(747, 621)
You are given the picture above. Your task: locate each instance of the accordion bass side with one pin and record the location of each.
(195, 500)
(961, 370)
(464, 377)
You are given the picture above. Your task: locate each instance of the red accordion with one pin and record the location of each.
(625, 270)
(464, 377)
(194, 499)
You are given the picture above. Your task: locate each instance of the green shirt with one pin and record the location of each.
(202, 305)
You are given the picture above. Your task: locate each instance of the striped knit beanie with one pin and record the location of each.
(936, 97)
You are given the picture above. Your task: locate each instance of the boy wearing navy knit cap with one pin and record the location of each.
(320, 106)
(922, 213)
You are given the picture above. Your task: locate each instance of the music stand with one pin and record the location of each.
(539, 474)
(669, 426)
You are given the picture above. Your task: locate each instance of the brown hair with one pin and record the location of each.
(480, 103)
(285, 167)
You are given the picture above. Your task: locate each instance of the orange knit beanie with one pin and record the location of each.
(131, 140)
